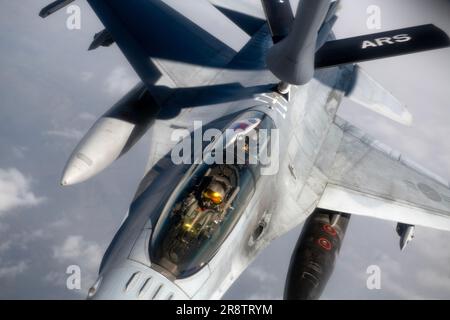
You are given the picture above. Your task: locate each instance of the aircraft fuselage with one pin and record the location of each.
(280, 201)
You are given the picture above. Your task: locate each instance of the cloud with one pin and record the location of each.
(23, 239)
(429, 278)
(5, 246)
(55, 278)
(13, 271)
(393, 277)
(263, 282)
(267, 295)
(75, 249)
(19, 151)
(86, 116)
(15, 191)
(86, 76)
(71, 134)
(3, 228)
(120, 81)
(260, 275)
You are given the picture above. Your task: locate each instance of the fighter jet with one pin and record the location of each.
(241, 111)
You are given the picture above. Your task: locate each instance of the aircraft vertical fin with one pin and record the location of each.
(368, 93)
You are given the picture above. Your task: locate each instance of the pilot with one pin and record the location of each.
(213, 195)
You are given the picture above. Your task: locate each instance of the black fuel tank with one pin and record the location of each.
(314, 256)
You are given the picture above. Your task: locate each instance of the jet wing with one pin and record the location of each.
(172, 34)
(370, 179)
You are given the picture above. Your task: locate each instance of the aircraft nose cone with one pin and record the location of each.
(76, 171)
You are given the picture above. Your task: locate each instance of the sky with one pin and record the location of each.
(52, 90)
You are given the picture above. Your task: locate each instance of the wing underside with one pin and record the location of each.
(173, 35)
(370, 179)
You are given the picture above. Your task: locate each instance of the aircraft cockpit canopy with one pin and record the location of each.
(207, 204)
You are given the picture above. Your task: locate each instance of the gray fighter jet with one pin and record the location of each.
(246, 144)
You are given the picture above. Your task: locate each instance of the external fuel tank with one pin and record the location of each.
(315, 254)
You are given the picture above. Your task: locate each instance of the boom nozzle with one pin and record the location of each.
(292, 59)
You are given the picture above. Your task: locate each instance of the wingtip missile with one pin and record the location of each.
(111, 136)
(77, 170)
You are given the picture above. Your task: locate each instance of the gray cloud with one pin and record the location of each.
(66, 133)
(75, 250)
(119, 81)
(15, 191)
(13, 271)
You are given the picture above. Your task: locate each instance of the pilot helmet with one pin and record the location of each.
(215, 193)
